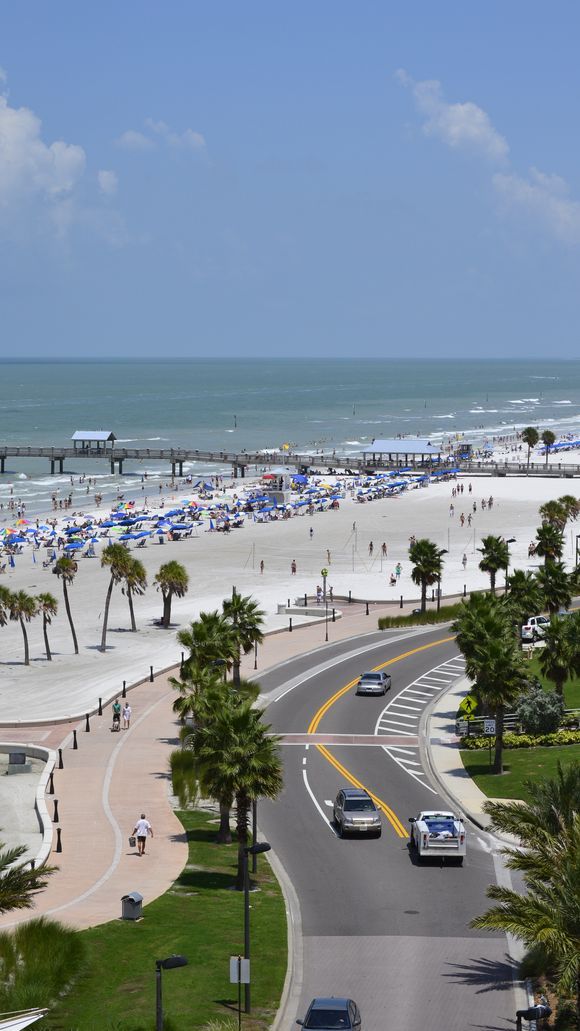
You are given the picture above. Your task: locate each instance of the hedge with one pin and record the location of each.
(445, 614)
(511, 740)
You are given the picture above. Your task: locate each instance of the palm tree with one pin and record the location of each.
(557, 658)
(23, 608)
(118, 560)
(524, 596)
(209, 641)
(172, 579)
(553, 801)
(18, 883)
(493, 660)
(4, 605)
(495, 556)
(571, 506)
(550, 542)
(66, 569)
(548, 438)
(135, 579)
(48, 605)
(427, 561)
(246, 620)
(530, 436)
(38, 958)
(554, 513)
(555, 585)
(197, 682)
(260, 777)
(545, 918)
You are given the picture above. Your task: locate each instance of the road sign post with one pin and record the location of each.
(239, 974)
(489, 731)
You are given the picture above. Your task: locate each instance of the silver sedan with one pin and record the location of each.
(373, 683)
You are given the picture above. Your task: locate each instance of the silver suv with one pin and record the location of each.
(355, 812)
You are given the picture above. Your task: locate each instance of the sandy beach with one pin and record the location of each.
(71, 684)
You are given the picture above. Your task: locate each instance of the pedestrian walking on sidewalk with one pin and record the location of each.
(142, 830)
(126, 716)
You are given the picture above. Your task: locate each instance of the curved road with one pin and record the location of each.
(376, 926)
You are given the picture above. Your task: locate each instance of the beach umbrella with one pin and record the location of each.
(74, 545)
(15, 538)
(143, 533)
(22, 522)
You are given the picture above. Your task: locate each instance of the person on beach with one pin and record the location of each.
(328, 558)
(261, 567)
(469, 519)
(393, 580)
(398, 570)
(384, 549)
(127, 716)
(451, 511)
(293, 567)
(142, 830)
(462, 519)
(371, 549)
(470, 488)
(464, 561)
(318, 595)
(311, 531)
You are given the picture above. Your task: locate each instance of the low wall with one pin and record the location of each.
(48, 755)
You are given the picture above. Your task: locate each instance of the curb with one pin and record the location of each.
(292, 989)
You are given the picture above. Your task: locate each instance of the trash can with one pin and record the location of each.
(132, 906)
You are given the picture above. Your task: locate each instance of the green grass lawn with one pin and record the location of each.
(571, 688)
(519, 765)
(200, 917)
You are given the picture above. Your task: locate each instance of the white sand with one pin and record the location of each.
(215, 561)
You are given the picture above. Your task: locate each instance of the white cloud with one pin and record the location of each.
(162, 134)
(461, 126)
(28, 166)
(133, 140)
(546, 198)
(108, 182)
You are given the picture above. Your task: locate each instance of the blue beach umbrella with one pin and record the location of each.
(74, 545)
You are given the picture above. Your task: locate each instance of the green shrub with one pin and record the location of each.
(511, 740)
(446, 614)
(539, 711)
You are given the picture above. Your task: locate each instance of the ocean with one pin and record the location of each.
(257, 404)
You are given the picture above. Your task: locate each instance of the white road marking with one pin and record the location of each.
(407, 751)
(304, 761)
(320, 810)
(328, 802)
(409, 708)
(423, 694)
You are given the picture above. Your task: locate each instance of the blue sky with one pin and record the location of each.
(328, 178)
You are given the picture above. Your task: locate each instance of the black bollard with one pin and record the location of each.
(465, 590)
(60, 762)
(124, 692)
(334, 615)
(367, 611)
(58, 841)
(433, 595)
(305, 601)
(290, 625)
(288, 603)
(100, 706)
(349, 597)
(51, 783)
(151, 674)
(75, 745)
(401, 602)
(55, 818)
(87, 724)
(33, 864)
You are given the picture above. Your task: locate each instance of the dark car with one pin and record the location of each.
(332, 1014)
(374, 682)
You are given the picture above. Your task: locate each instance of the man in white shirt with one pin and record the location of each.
(142, 829)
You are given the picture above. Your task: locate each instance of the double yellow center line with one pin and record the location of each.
(391, 816)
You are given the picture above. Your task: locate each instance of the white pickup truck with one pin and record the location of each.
(438, 834)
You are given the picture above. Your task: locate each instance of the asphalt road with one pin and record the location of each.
(376, 926)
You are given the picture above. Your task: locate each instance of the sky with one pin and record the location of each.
(261, 179)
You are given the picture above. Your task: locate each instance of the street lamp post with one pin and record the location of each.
(324, 574)
(164, 964)
(510, 540)
(251, 850)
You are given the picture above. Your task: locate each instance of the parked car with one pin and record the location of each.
(355, 812)
(534, 628)
(330, 1014)
(373, 683)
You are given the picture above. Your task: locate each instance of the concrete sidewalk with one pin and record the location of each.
(101, 791)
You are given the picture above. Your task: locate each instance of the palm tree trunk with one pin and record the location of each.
(423, 595)
(236, 671)
(224, 834)
(166, 609)
(132, 613)
(498, 757)
(69, 615)
(242, 822)
(106, 616)
(25, 636)
(45, 632)
(492, 581)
